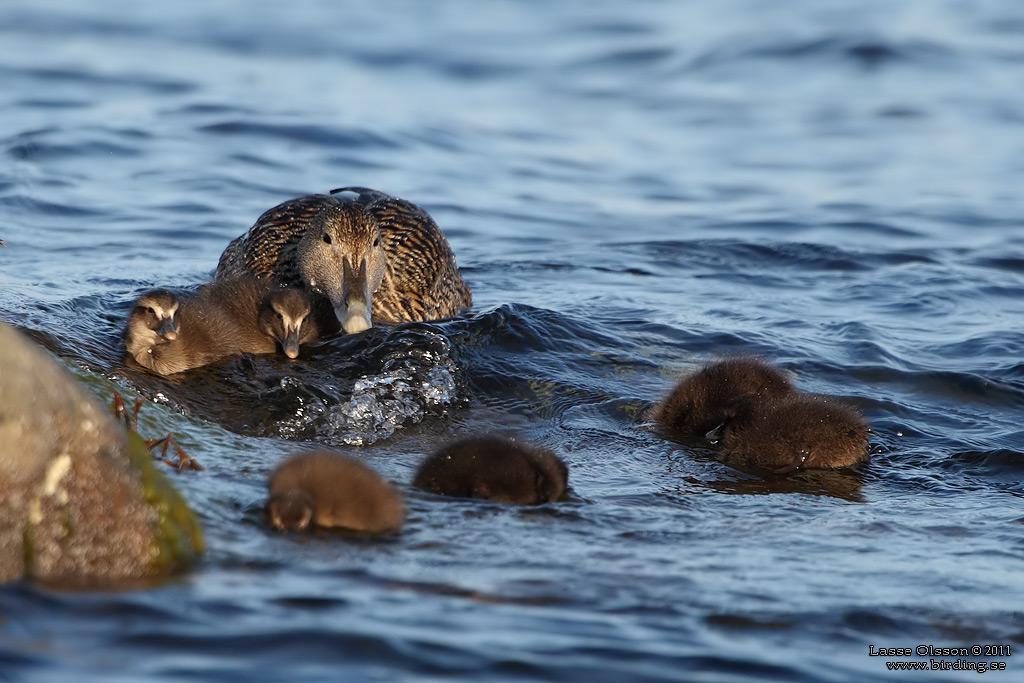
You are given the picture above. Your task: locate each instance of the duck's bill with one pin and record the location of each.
(715, 435)
(168, 329)
(354, 313)
(355, 317)
(290, 345)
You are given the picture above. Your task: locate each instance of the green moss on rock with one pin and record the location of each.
(178, 538)
(81, 501)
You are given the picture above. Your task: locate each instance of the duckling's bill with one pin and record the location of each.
(168, 328)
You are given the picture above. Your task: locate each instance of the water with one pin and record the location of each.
(631, 189)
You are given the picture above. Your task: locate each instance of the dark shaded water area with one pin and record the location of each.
(631, 190)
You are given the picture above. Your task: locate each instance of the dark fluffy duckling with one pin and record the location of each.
(799, 431)
(243, 315)
(701, 400)
(494, 468)
(328, 489)
(377, 258)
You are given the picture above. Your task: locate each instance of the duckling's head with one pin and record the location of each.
(157, 313)
(342, 256)
(290, 510)
(284, 315)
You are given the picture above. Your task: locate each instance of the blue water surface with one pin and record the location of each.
(631, 190)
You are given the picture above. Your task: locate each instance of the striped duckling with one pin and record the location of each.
(225, 318)
(374, 257)
(153, 321)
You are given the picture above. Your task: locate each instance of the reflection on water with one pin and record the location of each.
(631, 190)
(843, 484)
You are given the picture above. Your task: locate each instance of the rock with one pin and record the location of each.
(81, 501)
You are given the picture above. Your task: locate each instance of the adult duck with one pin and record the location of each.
(377, 258)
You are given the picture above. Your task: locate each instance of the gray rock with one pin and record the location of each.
(81, 501)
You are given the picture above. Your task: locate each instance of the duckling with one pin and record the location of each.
(288, 319)
(377, 258)
(781, 435)
(225, 318)
(199, 336)
(153, 321)
(494, 468)
(328, 489)
(700, 400)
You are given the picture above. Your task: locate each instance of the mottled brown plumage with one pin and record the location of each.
(700, 400)
(376, 257)
(224, 318)
(327, 489)
(786, 434)
(494, 468)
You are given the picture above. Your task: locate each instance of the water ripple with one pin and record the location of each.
(322, 135)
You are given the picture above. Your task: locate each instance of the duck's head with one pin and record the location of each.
(157, 313)
(341, 255)
(290, 510)
(284, 315)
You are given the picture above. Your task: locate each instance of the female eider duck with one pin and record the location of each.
(326, 489)
(377, 258)
(494, 468)
(225, 318)
(700, 400)
(799, 431)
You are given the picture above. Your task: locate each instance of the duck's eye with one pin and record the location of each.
(327, 238)
(376, 242)
(149, 309)
(279, 316)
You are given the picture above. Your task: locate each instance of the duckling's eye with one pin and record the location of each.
(150, 310)
(327, 238)
(376, 242)
(279, 316)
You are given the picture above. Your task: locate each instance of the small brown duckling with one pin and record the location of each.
(494, 468)
(328, 489)
(700, 400)
(153, 321)
(287, 320)
(224, 318)
(800, 431)
(176, 337)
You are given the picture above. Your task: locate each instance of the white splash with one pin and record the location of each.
(409, 389)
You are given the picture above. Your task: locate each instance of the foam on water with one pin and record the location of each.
(407, 390)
